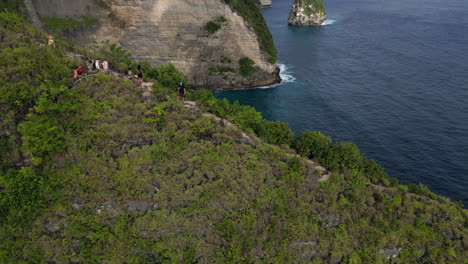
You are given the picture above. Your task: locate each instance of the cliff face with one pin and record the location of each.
(205, 39)
(307, 13)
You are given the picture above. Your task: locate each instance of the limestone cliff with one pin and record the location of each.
(205, 39)
(307, 13)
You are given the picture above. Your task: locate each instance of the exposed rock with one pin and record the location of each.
(307, 13)
(110, 207)
(133, 206)
(308, 243)
(391, 253)
(52, 226)
(330, 220)
(161, 32)
(265, 3)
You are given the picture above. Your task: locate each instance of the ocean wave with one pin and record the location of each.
(328, 22)
(285, 74)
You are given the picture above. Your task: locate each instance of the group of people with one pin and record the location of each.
(97, 65)
(138, 77)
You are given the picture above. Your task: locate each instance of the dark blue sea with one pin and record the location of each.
(390, 76)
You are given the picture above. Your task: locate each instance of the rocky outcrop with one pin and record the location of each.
(307, 13)
(175, 31)
(265, 3)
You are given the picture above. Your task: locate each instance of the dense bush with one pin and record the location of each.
(246, 67)
(313, 145)
(167, 75)
(275, 132)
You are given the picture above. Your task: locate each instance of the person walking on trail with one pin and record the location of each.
(51, 40)
(182, 91)
(97, 65)
(105, 66)
(140, 72)
(77, 73)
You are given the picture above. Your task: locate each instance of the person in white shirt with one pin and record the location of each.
(105, 66)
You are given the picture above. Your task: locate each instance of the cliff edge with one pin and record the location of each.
(307, 13)
(216, 44)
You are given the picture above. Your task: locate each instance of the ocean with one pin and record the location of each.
(389, 76)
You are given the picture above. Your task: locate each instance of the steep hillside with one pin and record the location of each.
(97, 172)
(205, 39)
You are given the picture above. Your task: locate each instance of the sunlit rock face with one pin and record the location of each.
(170, 31)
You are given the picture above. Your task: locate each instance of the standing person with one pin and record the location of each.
(129, 74)
(97, 64)
(51, 40)
(140, 72)
(182, 91)
(105, 66)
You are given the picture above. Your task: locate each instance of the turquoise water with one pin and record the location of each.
(390, 76)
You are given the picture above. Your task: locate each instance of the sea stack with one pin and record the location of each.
(307, 13)
(265, 3)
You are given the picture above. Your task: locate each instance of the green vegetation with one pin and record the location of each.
(67, 24)
(317, 6)
(246, 67)
(249, 10)
(220, 70)
(12, 5)
(213, 26)
(103, 4)
(92, 173)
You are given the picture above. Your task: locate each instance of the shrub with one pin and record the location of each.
(343, 155)
(246, 67)
(275, 132)
(212, 27)
(312, 144)
(167, 75)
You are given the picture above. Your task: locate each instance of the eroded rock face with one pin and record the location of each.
(307, 13)
(171, 31)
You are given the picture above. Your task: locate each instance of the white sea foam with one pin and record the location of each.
(328, 22)
(285, 74)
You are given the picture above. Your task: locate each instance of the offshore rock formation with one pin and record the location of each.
(176, 31)
(307, 13)
(265, 3)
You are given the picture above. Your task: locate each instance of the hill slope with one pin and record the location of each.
(94, 172)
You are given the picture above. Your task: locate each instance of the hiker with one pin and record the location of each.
(140, 72)
(50, 40)
(130, 74)
(105, 66)
(77, 73)
(137, 81)
(97, 65)
(182, 91)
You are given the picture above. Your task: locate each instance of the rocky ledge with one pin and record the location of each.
(307, 13)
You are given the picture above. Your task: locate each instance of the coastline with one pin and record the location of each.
(275, 80)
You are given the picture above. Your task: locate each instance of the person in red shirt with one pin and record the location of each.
(78, 72)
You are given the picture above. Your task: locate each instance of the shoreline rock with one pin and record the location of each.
(307, 13)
